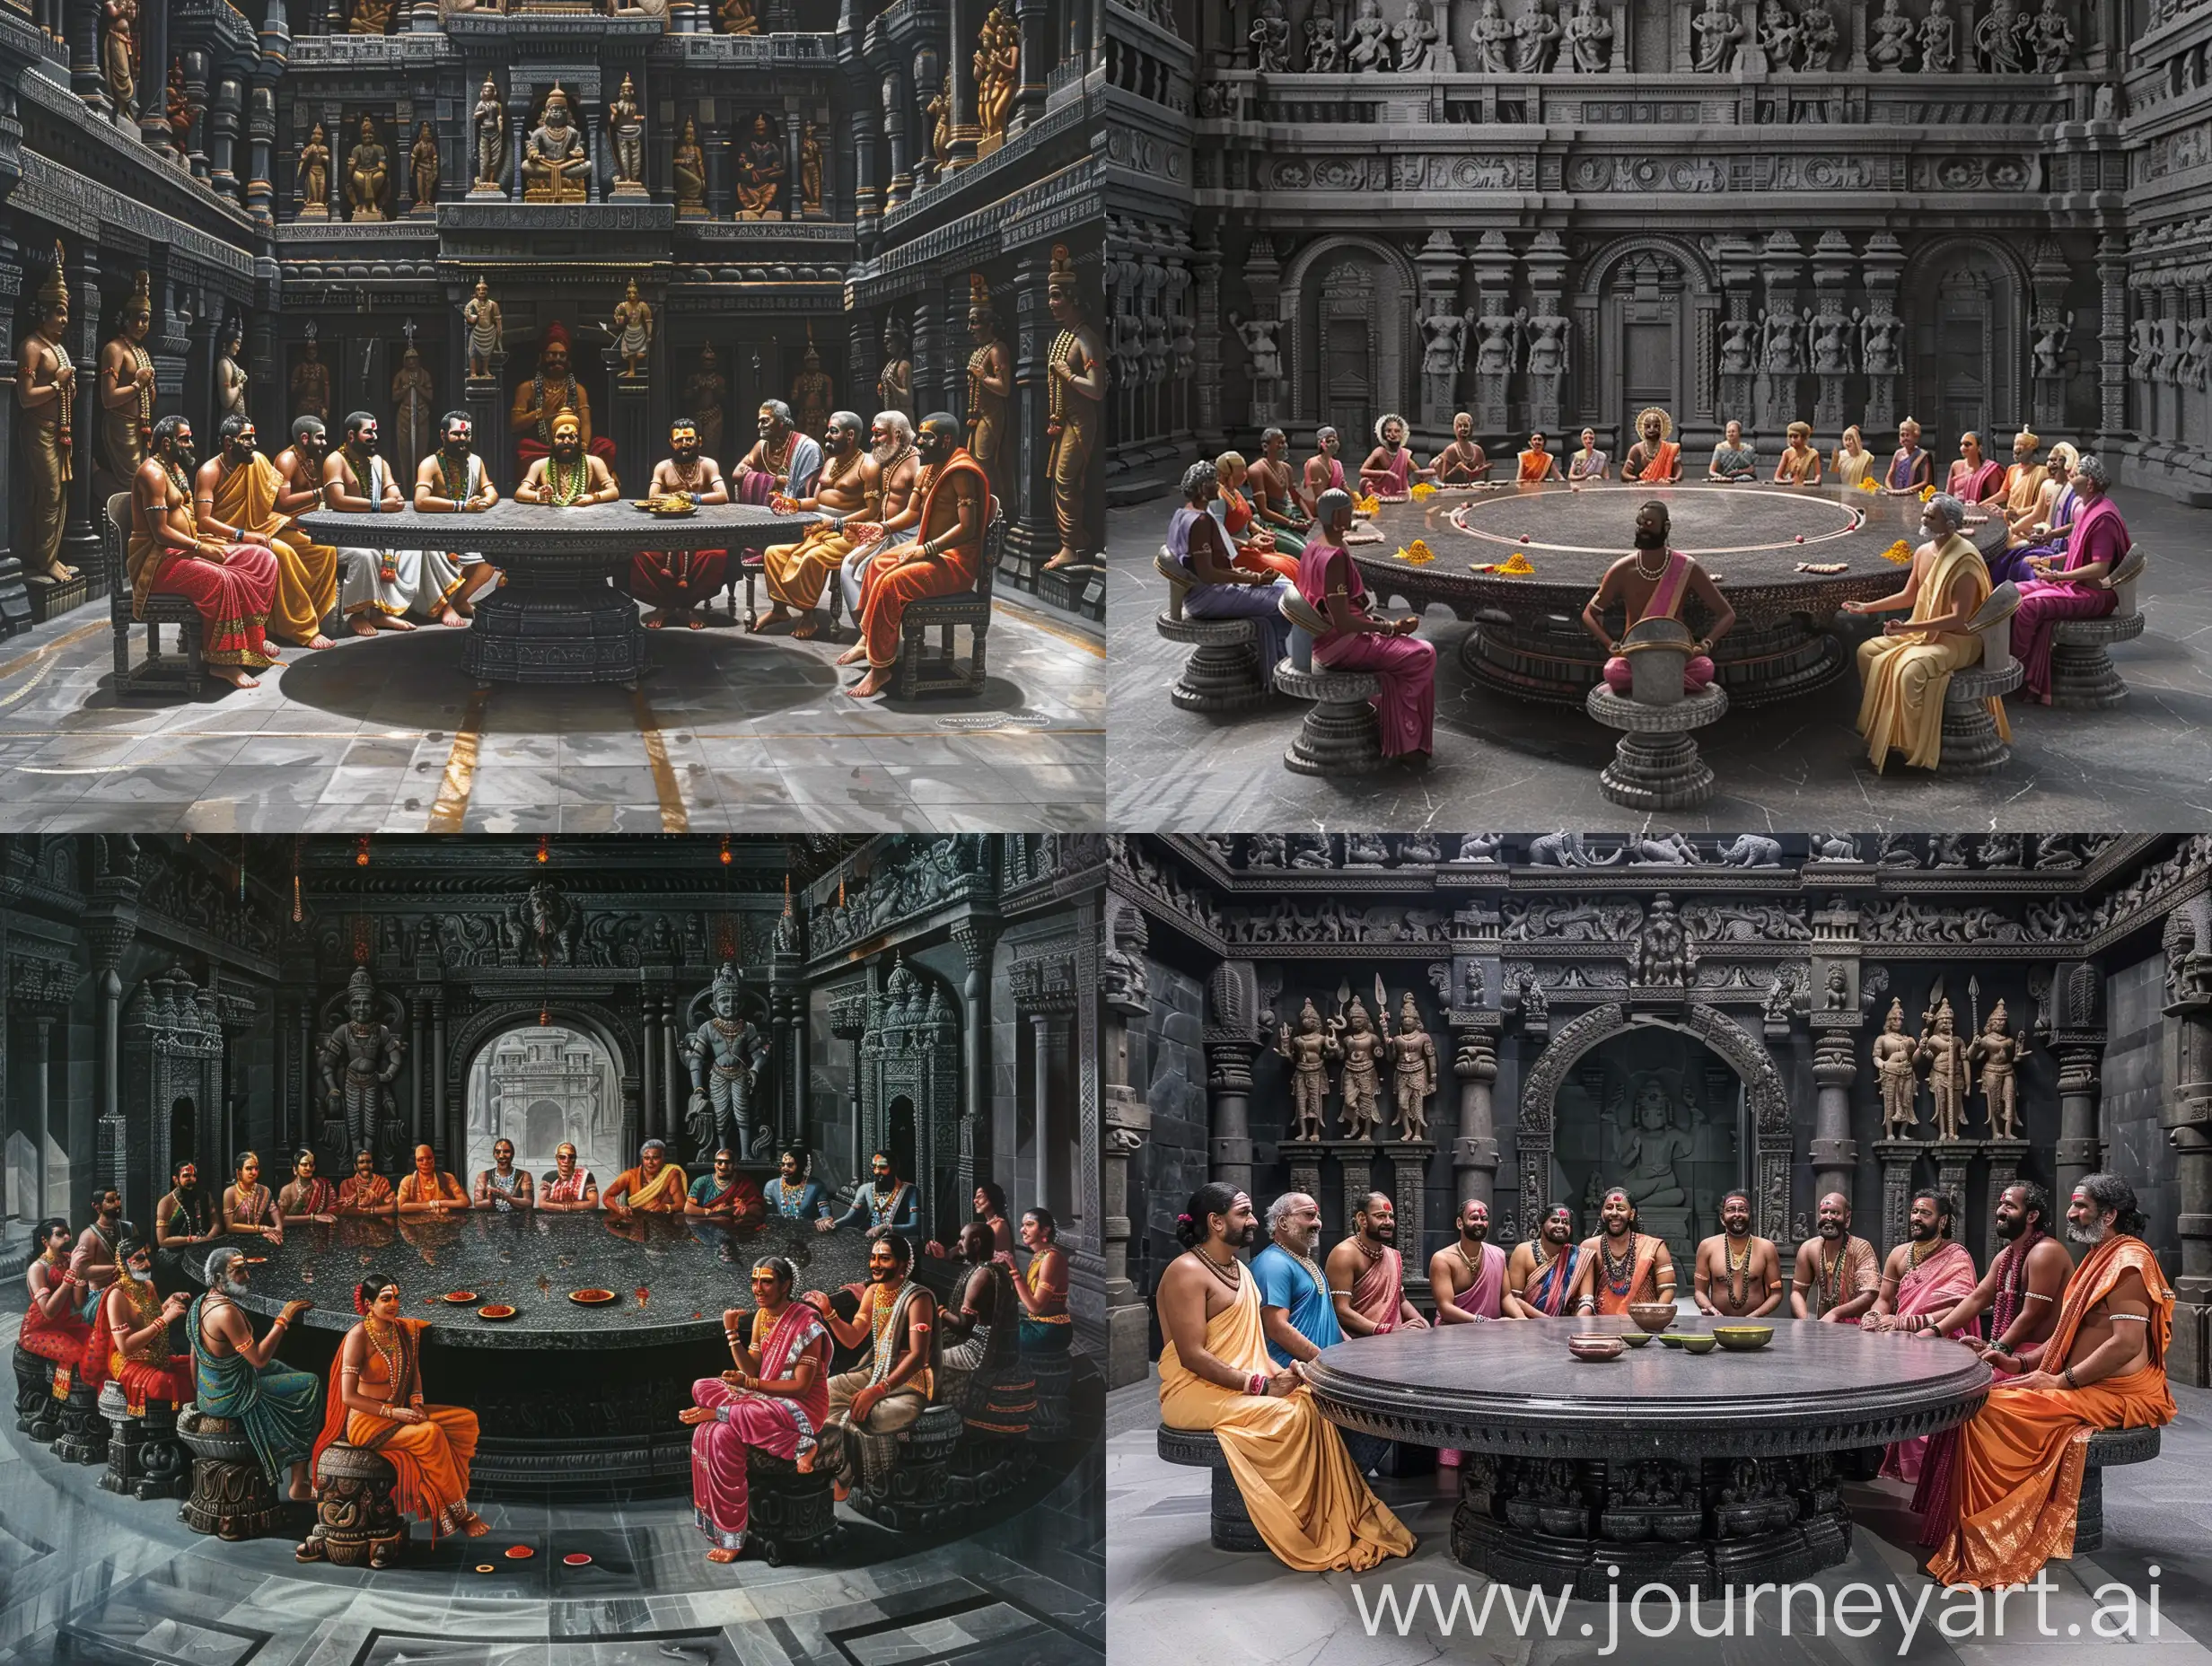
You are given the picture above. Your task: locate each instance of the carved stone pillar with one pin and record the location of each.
(1439, 264)
(223, 116)
(1831, 273)
(898, 108)
(1035, 534)
(1834, 1152)
(196, 131)
(1546, 263)
(1732, 391)
(1232, 1036)
(2112, 338)
(1493, 264)
(1033, 19)
(967, 20)
(1206, 268)
(82, 24)
(1474, 1151)
(1883, 266)
(1897, 1158)
(1271, 402)
(42, 1103)
(930, 354)
(2048, 277)
(2004, 1157)
(153, 73)
(2187, 1118)
(14, 595)
(1782, 265)
(977, 936)
(1954, 1158)
(1127, 1120)
(2078, 1150)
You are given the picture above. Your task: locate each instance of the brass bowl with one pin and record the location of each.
(1651, 1316)
(1635, 1338)
(1742, 1338)
(1697, 1345)
(1669, 1339)
(1595, 1347)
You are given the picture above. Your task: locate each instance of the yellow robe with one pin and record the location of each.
(306, 571)
(796, 573)
(1849, 469)
(1305, 1497)
(1905, 676)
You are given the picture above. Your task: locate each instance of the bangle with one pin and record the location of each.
(1257, 1383)
(2069, 1378)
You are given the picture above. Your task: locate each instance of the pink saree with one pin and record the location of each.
(1666, 603)
(743, 1418)
(1934, 1286)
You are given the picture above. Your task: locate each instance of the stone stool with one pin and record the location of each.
(83, 1437)
(2081, 671)
(1054, 1371)
(1655, 762)
(1340, 735)
(987, 1465)
(916, 1496)
(231, 1496)
(1230, 1521)
(1970, 744)
(144, 1458)
(356, 1525)
(2107, 1447)
(1224, 673)
(791, 1515)
(37, 1413)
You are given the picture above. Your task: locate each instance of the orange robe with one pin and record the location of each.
(447, 1189)
(888, 586)
(431, 1458)
(1643, 1277)
(2020, 1458)
(1536, 466)
(1662, 465)
(1306, 1497)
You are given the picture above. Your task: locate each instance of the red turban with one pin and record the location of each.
(556, 334)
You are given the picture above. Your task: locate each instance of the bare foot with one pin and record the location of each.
(318, 641)
(874, 683)
(839, 1491)
(773, 616)
(474, 1525)
(396, 624)
(854, 655)
(655, 621)
(234, 676)
(450, 618)
(718, 1555)
(1067, 557)
(694, 621)
(806, 632)
(362, 625)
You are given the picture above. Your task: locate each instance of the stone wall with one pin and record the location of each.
(2138, 1077)
(1167, 1065)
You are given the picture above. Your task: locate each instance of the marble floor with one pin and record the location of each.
(1171, 1595)
(87, 1576)
(1800, 763)
(728, 731)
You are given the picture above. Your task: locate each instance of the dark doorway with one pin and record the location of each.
(1348, 366)
(900, 1139)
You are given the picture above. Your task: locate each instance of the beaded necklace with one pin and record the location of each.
(1738, 1271)
(566, 487)
(1919, 1252)
(391, 1344)
(1229, 1277)
(1831, 1278)
(1620, 1274)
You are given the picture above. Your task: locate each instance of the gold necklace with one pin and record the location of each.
(1921, 1252)
(1738, 1271)
(1650, 572)
(1228, 1275)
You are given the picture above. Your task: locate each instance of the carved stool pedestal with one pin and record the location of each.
(1972, 745)
(986, 1467)
(231, 1496)
(144, 1458)
(1230, 1523)
(37, 1411)
(356, 1525)
(2107, 1447)
(1655, 762)
(916, 1496)
(1224, 673)
(791, 1516)
(83, 1437)
(1054, 1371)
(2082, 673)
(1340, 735)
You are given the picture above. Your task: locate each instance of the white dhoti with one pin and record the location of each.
(396, 583)
(855, 568)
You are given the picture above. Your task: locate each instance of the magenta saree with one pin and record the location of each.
(745, 1418)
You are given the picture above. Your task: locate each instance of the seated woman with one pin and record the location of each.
(1799, 464)
(1259, 548)
(1732, 459)
(979, 1338)
(1536, 463)
(1042, 1289)
(1589, 463)
(2075, 585)
(1357, 640)
(1852, 460)
(52, 1328)
(2042, 530)
(1652, 583)
(1219, 588)
(1973, 479)
(776, 1398)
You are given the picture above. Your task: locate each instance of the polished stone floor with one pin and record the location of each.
(88, 1576)
(1499, 761)
(728, 731)
(1170, 1595)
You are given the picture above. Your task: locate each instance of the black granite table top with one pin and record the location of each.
(509, 529)
(688, 1268)
(1512, 1387)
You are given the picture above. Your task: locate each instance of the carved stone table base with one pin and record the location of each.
(555, 633)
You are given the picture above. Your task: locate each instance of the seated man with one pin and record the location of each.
(366, 1191)
(1297, 1314)
(956, 513)
(1973, 479)
(1536, 464)
(1739, 1274)
(796, 1198)
(886, 1203)
(1390, 470)
(1652, 584)
(51, 1329)
(183, 1221)
(724, 1195)
(232, 586)
(849, 495)
(1588, 464)
(568, 476)
(502, 1189)
(376, 1402)
(2020, 1458)
(896, 1323)
(783, 462)
(1734, 461)
(1654, 458)
(453, 480)
(1323, 471)
(1837, 1276)
(129, 1339)
(1357, 640)
(381, 587)
(307, 1196)
(2021, 495)
(1219, 588)
(2074, 582)
(1366, 1275)
(1046, 1326)
(236, 499)
(1620, 1266)
(674, 582)
(1463, 462)
(1306, 1497)
(1905, 672)
(428, 1189)
(1911, 468)
(1926, 1278)
(655, 1186)
(979, 1339)
(238, 1379)
(1541, 1269)
(1467, 1276)
(1800, 462)
(1260, 548)
(1274, 495)
(570, 1188)
(898, 474)
(989, 1206)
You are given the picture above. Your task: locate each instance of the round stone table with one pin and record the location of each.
(558, 618)
(1529, 639)
(1686, 1470)
(582, 1400)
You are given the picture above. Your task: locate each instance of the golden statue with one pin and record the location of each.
(940, 110)
(759, 172)
(314, 176)
(690, 165)
(809, 173)
(369, 17)
(737, 18)
(46, 391)
(423, 163)
(1075, 384)
(554, 162)
(368, 171)
(998, 68)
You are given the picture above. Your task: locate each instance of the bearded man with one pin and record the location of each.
(1925, 1278)
(898, 476)
(1540, 1272)
(1621, 1266)
(783, 459)
(569, 476)
(365, 1192)
(1837, 1276)
(1367, 1275)
(381, 587)
(1738, 1273)
(299, 466)
(1655, 581)
(725, 1193)
(897, 1322)
(453, 480)
(955, 517)
(183, 1220)
(1468, 1275)
(545, 396)
(236, 499)
(849, 495)
(1294, 1309)
(93, 1260)
(307, 1196)
(1654, 459)
(129, 1343)
(673, 583)
(1463, 463)
(232, 586)
(237, 1378)
(1323, 471)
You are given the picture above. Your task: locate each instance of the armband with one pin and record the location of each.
(2130, 1318)
(2033, 1295)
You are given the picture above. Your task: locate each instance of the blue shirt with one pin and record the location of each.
(1284, 1283)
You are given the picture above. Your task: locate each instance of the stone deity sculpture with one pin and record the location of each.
(1738, 352)
(311, 381)
(990, 385)
(1998, 1052)
(1493, 39)
(1717, 28)
(1895, 1076)
(2051, 39)
(1307, 1051)
(1414, 38)
(1817, 36)
(1777, 35)
(1590, 39)
(2002, 39)
(1413, 1069)
(486, 333)
(725, 1056)
(488, 125)
(118, 51)
(705, 391)
(810, 172)
(1782, 341)
(368, 173)
(1536, 40)
(361, 1059)
(422, 166)
(894, 388)
(1939, 36)
(812, 393)
(759, 172)
(46, 394)
(1352, 1040)
(627, 126)
(1443, 344)
(312, 171)
(1546, 335)
(555, 167)
(1878, 345)
(1076, 382)
(1661, 956)
(1324, 55)
(230, 377)
(1257, 335)
(1474, 992)
(1268, 38)
(737, 18)
(1368, 45)
(1652, 1150)
(1891, 39)
(412, 412)
(2050, 344)
(369, 17)
(688, 164)
(1831, 342)
(631, 331)
(1497, 345)
(1942, 1054)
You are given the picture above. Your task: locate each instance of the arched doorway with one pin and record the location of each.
(1647, 316)
(1967, 299)
(538, 1085)
(1685, 1103)
(1353, 303)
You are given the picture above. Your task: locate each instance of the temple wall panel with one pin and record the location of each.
(2137, 1075)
